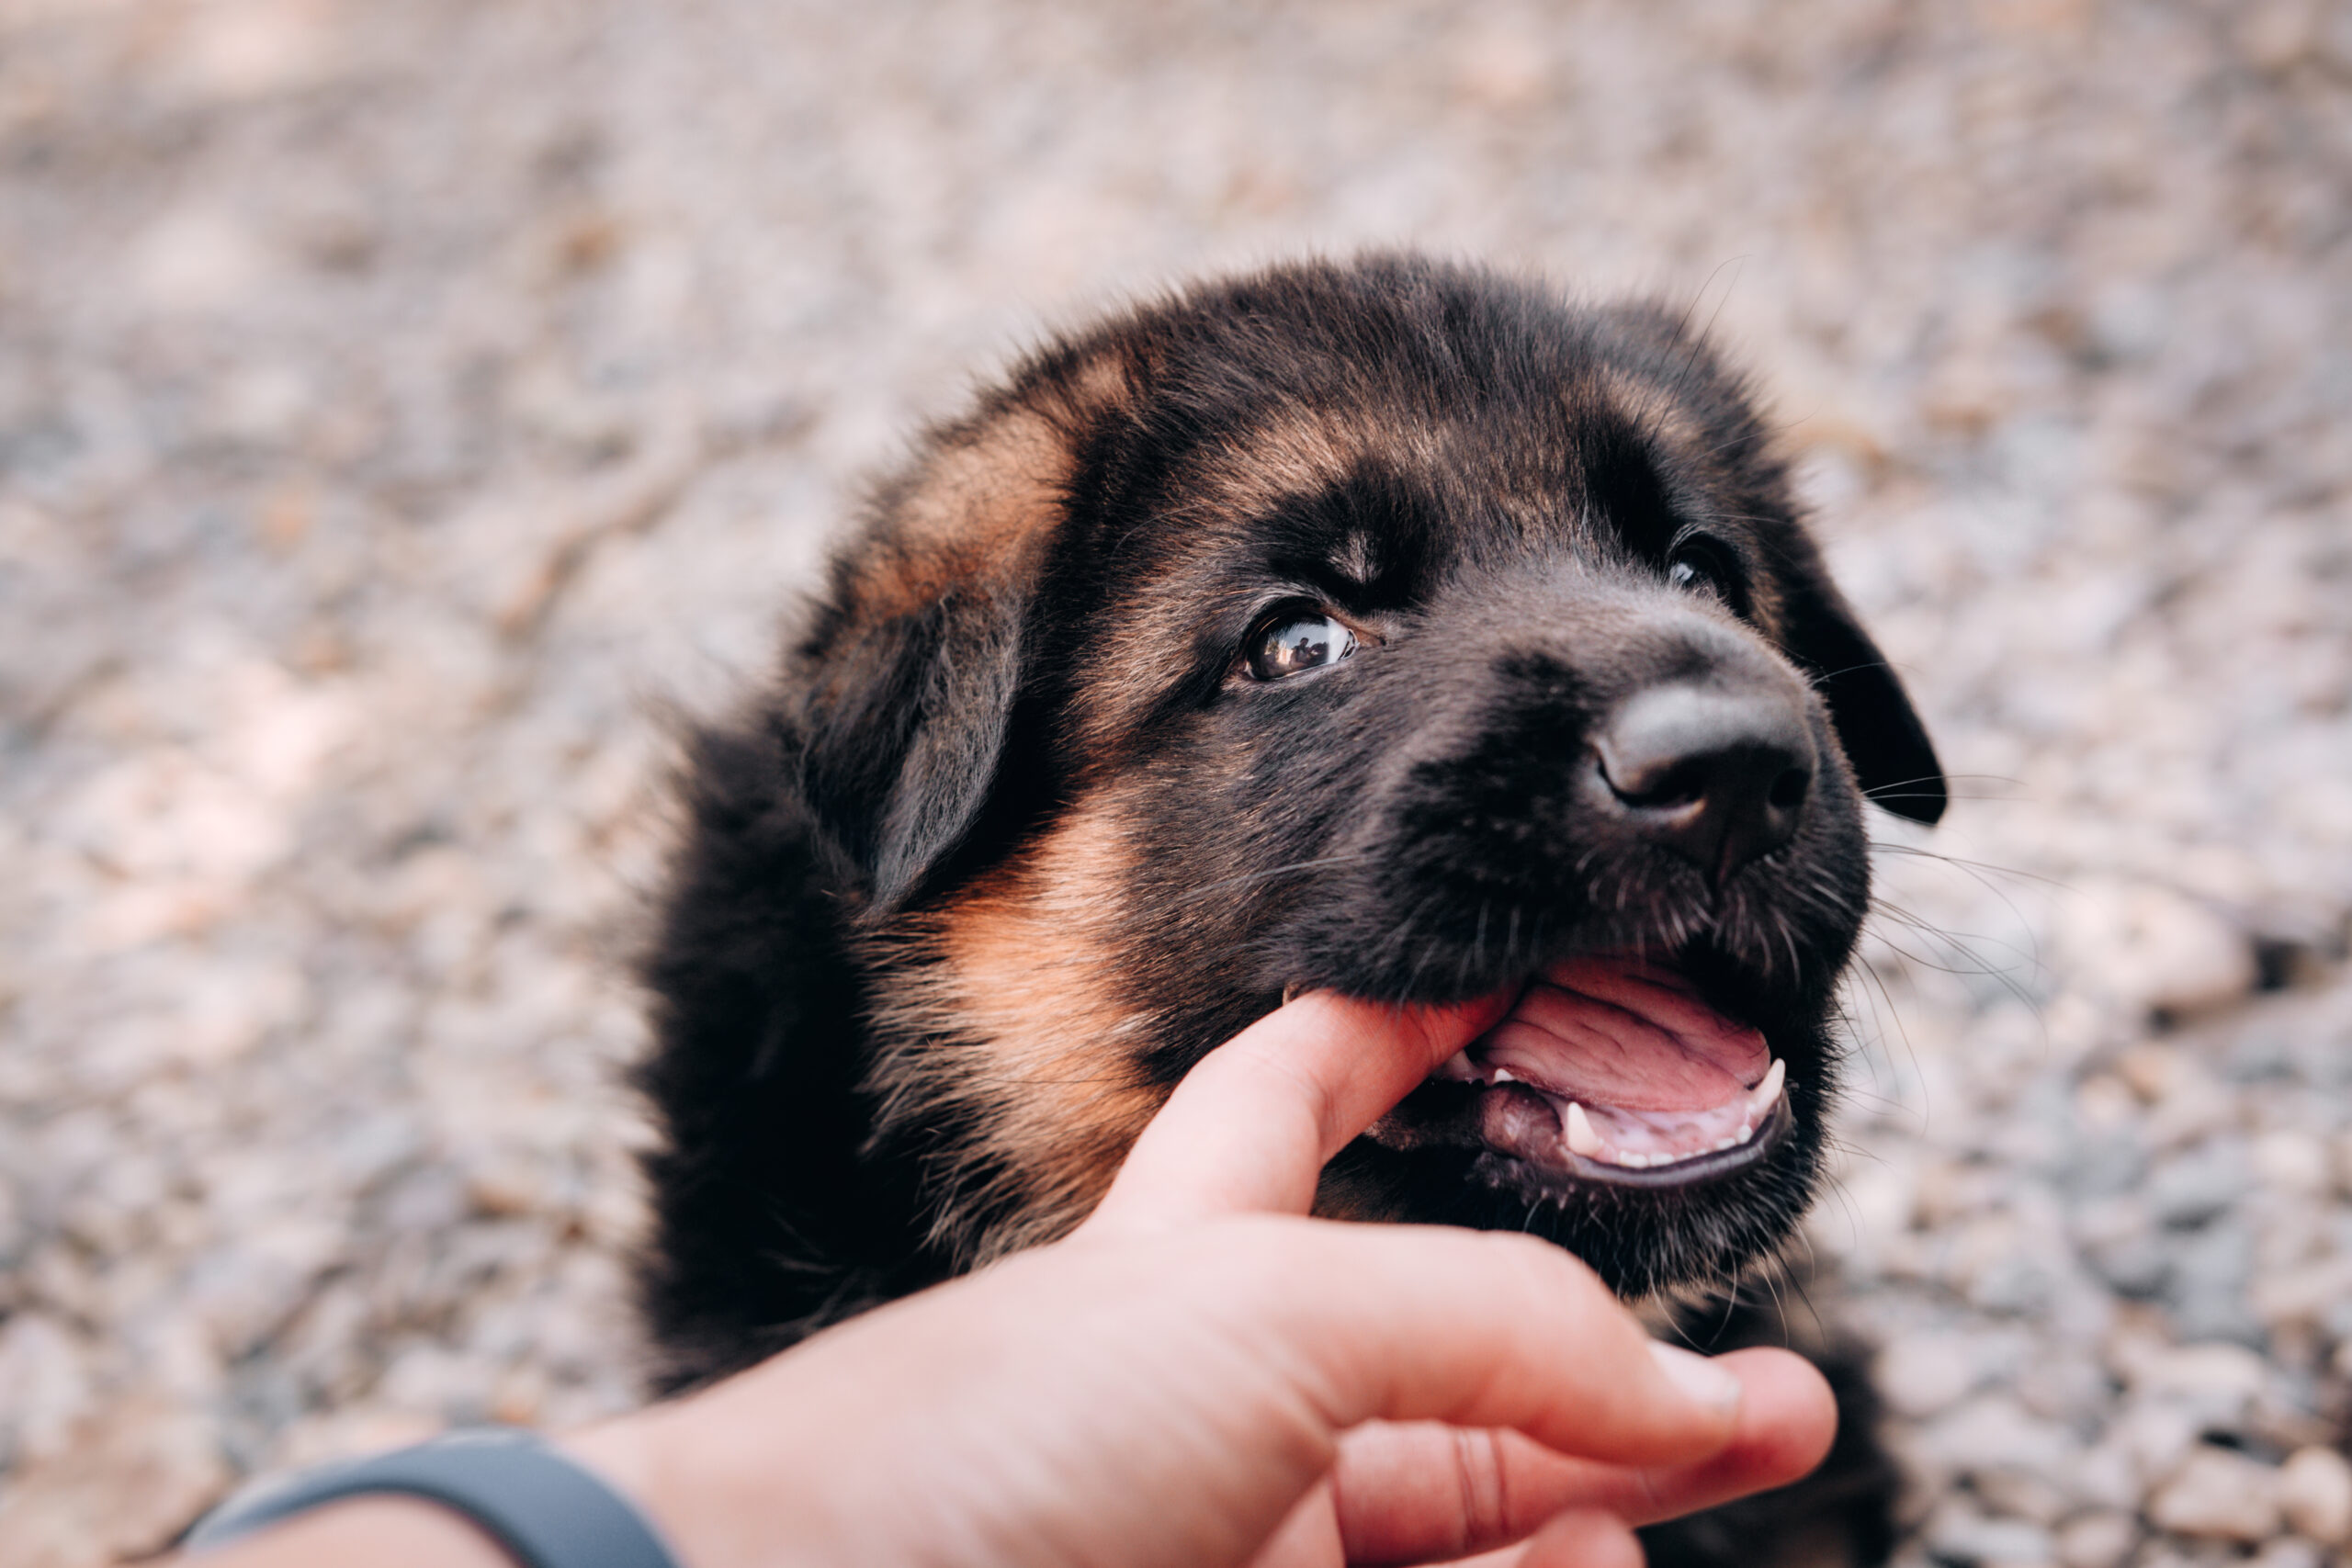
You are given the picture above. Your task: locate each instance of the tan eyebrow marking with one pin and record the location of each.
(1355, 559)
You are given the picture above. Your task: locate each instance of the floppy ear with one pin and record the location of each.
(1894, 761)
(903, 730)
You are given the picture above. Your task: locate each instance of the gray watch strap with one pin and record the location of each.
(547, 1511)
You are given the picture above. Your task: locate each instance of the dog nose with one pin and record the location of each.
(1719, 777)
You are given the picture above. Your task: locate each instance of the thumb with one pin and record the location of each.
(1250, 1128)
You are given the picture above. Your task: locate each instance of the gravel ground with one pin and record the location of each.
(405, 408)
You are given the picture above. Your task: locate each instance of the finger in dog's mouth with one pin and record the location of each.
(1616, 1070)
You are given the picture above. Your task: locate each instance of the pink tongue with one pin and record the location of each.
(1611, 1031)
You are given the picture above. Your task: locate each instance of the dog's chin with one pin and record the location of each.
(1619, 1109)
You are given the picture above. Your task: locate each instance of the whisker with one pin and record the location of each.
(1915, 853)
(1947, 778)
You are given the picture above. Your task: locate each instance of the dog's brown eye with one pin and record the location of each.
(1697, 566)
(1297, 641)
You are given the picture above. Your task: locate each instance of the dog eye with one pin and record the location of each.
(1697, 566)
(1296, 641)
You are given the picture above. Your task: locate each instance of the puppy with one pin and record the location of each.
(1394, 628)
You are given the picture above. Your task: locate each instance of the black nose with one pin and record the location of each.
(1718, 777)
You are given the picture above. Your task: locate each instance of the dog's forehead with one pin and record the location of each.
(1369, 485)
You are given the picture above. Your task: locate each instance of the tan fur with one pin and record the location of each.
(1654, 408)
(976, 507)
(979, 508)
(1299, 452)
(1010, 1019)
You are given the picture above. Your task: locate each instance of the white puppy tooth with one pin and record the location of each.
(1457, 1068)
(1765, 1095)
(1582, 1139)
(1502, 1075)
(1745, 1133)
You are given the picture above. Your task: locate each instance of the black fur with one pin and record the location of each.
(1038, 627)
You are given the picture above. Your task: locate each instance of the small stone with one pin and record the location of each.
(519, 1395)
(2306, 1295)
(2200, 1375)
(326, 1438)
(2339, 1150)
(2065, 1386)
(2196, 1110)
(2150, 1068)
(2148, 946)
(2274, 34)
(45, 1385)
(2155, 1437)
(1958, 1533)
(2099, 1540)
(2207, 1294)
(2013, 1287)
(2103, 1103)
(2292, 1163)
(2219, 1495)
(2288, 1552)
(2107, 1478)
(2022, 1494)
(434, 1380)
(1993, 1433)
(1924, 1373)
(508, 1188)
(2193, 1188)
(2315, 1494)
(2135, 1267)
(2104, 1167)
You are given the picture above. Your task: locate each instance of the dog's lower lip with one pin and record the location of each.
(1565, 1169)
(1537, 1124)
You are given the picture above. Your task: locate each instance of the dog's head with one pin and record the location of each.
(1390, 627)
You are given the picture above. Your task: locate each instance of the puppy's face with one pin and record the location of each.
(1388, 629)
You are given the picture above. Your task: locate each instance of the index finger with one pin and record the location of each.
(1250, 1128)
(1422, 1492)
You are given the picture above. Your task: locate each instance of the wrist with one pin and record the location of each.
(619, 1453)
(713, 1495)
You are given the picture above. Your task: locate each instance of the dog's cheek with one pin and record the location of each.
(1009, 1023)
(1235, 835)
(1817, 901)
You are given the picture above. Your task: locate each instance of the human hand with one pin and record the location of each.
(1201, 1375)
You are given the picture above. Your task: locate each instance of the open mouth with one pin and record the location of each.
(1613, 1069)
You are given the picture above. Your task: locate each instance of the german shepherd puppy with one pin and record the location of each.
(1392, 626)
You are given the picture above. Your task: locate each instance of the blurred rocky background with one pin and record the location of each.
(405, 408)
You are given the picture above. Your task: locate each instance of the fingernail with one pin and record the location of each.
(1699, 1379)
